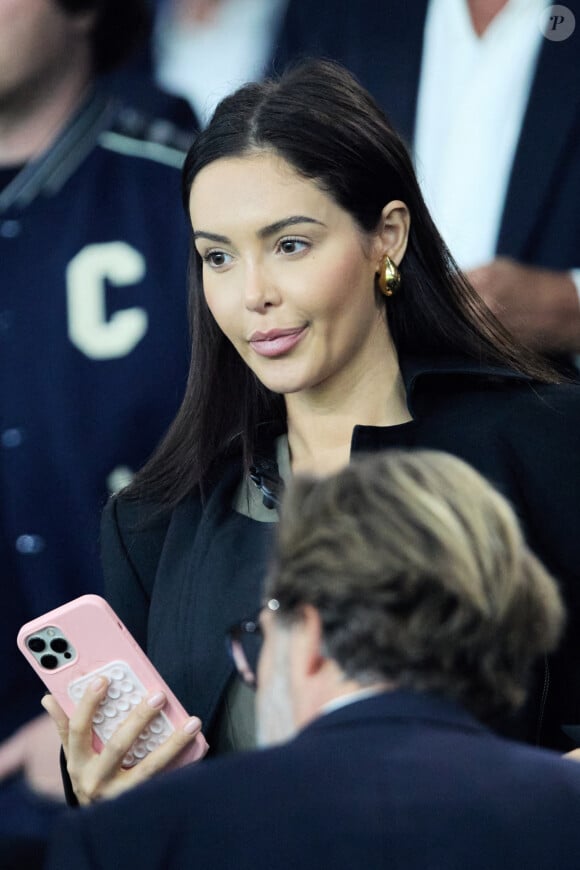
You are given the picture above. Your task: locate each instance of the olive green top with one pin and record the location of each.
(235, 725)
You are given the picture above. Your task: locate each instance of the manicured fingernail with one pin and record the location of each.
(98, 684)
(192, 725)
(156, 700)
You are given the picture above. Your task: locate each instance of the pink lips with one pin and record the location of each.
(277, 341)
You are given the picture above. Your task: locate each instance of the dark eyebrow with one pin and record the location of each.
(213, 237)
(270, 230)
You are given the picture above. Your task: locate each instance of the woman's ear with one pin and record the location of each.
(393, 231)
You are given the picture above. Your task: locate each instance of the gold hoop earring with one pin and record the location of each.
(389, 277)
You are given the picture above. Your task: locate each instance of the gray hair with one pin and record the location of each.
(421, 575)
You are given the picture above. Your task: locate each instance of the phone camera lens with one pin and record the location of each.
(58, 645)
(49, 662)
(36, 644)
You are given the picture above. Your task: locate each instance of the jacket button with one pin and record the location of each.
(10, 229)
(30, 545)
(12, 438)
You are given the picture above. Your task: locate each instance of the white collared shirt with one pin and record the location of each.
(351, 698)
(473, 94)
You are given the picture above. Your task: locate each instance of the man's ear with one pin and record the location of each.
(307, 666)
(307, 642)
(393, 231)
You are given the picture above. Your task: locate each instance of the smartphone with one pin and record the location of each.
(71, 646)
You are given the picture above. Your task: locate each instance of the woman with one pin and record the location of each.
(328, 318)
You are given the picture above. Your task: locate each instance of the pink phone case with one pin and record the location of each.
(70, 646)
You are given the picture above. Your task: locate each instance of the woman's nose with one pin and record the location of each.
(259, 289)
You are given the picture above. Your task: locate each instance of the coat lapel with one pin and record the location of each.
(549, 127)
(224, 573)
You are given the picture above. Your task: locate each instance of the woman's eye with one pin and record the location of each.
(292, 246)
(217, 259)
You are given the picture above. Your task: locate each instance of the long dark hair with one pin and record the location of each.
(323, 123)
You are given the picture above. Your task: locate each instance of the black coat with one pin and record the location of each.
(179, 580)
(398, 781)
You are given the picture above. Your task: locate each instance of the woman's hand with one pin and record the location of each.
(94, 775)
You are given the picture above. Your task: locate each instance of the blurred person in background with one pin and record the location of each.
(488, 93)
(204, 49)
(401, 612)
(93, 336)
